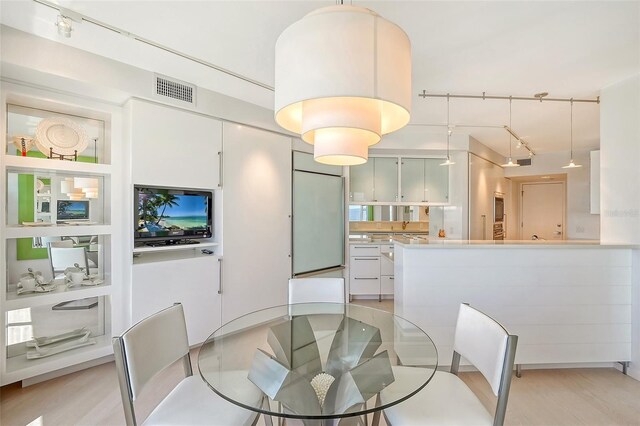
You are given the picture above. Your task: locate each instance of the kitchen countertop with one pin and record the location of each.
(445, 243)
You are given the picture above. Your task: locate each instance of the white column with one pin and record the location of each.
(620, 162)
(619, 180)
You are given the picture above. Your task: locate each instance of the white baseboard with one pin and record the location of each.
(64, 371)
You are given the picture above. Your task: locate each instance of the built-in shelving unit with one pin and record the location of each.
(29, 180)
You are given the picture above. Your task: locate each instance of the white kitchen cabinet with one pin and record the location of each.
(386, 285)
(370, 272)
(256, 262)
(166, 141)
(192, 281)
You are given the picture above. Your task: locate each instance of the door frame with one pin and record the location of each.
(564, 204)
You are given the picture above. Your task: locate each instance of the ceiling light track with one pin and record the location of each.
(80, 17)
(539, 98)
(506, 127)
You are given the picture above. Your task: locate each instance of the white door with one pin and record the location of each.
(542, 211)
(256, 189)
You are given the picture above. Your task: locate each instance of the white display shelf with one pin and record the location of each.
(147, 249)
(55, 230)
(19, 367)
(14, 301)
(42, 165)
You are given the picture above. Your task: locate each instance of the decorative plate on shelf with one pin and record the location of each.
(63, 135)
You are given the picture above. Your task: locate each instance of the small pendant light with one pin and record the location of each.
(572, 164)
(510, 163)
(448, 162)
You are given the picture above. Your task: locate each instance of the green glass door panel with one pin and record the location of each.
(412, 180)
(385, 179)
(361, 182)
(436, 181)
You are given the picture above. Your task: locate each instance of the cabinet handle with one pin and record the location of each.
(364, 247)
(390, 278)
(374, 278)
(220, 276)
(366, 258)
(220, 168)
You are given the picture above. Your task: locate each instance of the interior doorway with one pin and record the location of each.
(542, 210)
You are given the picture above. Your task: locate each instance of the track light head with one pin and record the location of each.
(64, 26)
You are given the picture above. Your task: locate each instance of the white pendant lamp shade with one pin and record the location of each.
(342, 80)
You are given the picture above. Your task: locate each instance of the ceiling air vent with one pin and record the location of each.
(175, 89)
(524, 162)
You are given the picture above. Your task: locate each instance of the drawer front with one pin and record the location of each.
(386, 248)
(365, 267)
(364, 250)
(386, 266)
(386, 285)
(364, 286)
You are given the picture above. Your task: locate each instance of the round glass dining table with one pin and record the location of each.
(317, 361)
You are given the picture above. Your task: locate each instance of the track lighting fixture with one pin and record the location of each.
(572, 164)
(448, 161)
(510, 163)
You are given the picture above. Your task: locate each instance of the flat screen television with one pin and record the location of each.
(171, 215)
(72, 210)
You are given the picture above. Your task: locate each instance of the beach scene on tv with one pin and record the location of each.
(168, 212)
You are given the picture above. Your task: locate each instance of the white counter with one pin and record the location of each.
(444, 243)
(569, 302)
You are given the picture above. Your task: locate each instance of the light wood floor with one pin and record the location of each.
(540, 397)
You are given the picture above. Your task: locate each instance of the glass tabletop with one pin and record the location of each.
(317, 360)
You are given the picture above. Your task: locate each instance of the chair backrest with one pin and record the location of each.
(65, 256)
(305, 290)
(146, 349)
(490, 348)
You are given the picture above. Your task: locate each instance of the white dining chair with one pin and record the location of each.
(446, 399)
(307, 290)
(148, 348)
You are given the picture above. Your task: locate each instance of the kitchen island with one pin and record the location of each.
(569, 301)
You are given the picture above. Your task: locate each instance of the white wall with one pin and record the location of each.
(581, 224)
(619, 181)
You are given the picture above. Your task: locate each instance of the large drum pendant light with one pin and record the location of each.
(342, 80)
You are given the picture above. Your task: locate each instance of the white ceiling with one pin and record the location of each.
(569, 49)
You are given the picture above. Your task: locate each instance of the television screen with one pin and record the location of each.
(73, 210)
(170, 213)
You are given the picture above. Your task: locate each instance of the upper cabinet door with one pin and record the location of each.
(385, 176)
(412, 180)
(436, 181)
(166, 141)
(361, 182)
